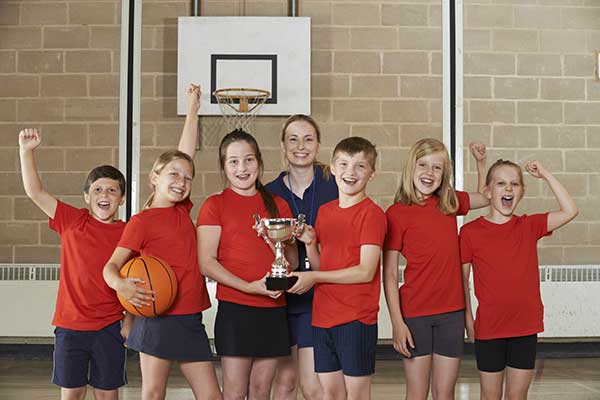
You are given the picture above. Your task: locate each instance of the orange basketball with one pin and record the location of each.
(157, 276)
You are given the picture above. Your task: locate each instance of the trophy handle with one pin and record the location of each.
(299, 224)
(256, 219)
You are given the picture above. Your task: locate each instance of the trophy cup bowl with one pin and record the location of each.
(280, 230)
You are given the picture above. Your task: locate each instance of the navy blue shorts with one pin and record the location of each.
(349, 347)
(171, 337)
(301, 330)
(89, 357)
(493, 355)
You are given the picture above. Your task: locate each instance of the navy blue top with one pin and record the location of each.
(325, 190)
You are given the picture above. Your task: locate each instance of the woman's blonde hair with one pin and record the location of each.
(161, 162)
(407, 194)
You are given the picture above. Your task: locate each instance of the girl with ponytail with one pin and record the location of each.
(251, 330)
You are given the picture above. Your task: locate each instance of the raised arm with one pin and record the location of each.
(401, 336)
(209, 237)
(568, 208)
(29, 140)
(188, 142)
(469, 321)
(479, 152)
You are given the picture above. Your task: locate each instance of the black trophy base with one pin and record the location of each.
(283, 283)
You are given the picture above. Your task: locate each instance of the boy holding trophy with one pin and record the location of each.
(350, 232)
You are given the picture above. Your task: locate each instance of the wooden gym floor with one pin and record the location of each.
(569, 379)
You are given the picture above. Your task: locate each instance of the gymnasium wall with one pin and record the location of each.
(376, 72)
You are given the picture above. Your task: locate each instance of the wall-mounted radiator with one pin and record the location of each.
(571, 296)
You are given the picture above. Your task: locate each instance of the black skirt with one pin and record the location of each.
(246, 331)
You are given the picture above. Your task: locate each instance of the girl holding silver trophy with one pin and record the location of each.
(251, 330)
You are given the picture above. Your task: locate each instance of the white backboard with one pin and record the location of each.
(270, 53)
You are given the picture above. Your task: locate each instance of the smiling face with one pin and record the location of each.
(173, 183)
(505, 190)
(300, 144)
(352, 173)
(241, 167)
(428, 174)
(104, 198)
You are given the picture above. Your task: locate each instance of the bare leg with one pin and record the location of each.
(309, 380)
(444, 374)
(334, 386)
(202, 379)
(261, 378)
(491, 385)
(358, 387)
(73, 393)
(517, 383)
(285, 384)
(418, 375)
(236, 377)
(100, 394)
(155, 374)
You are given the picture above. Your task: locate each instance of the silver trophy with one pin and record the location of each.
(280, 230)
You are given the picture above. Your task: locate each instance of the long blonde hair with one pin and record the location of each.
(406, 193)
(161, 162)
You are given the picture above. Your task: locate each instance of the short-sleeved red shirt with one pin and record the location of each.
(84, 301)
(428, 240)
(341, 232)
(506, 274)
(169, 234)
(241, 251)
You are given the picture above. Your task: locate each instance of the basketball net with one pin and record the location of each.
(239, 106)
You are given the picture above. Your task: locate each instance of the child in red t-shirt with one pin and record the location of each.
(88, 335)
(427, 313)
(251, 330)
(350, 232)
(164, 230)
(502, 248)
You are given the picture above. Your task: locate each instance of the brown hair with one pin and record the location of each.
(406, 193)
(300, 117)
(239, 135)
(105, 171)
(161, 162)
(354, 145)
(501, 163)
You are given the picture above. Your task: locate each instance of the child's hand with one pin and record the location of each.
(305, 282)
(193, 99)
(260, 287)
(126, 326)
(536, 169)
(29, 139)
(136, 295)
(402, 338)
(470, 327)
(307, 235)
(478, 150)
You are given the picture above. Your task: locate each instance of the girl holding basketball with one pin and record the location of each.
(250, 328)
(305, 188)
(428, 312)
(502, 248)
(164, 230)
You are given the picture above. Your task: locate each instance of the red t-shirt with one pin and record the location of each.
(428, 240)
(506, 274)
(341, 232)
(168, 233)
(84, 301)
(241, 251)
